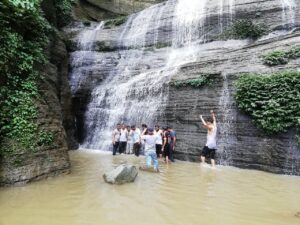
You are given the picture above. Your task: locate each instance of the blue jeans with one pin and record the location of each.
(151, 156)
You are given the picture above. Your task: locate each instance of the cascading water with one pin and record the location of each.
(135, 91)
(288, 12)
(188, 22)
(85, 55)
(226, 13)
(132, 92)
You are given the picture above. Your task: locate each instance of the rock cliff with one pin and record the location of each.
(103, 9)
(142, 46)
(55, 115)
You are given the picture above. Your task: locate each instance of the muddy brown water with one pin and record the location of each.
(181, 194)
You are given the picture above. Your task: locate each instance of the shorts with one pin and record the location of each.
(208, 152)
(167, 150)
(158, 150)
(136, 148)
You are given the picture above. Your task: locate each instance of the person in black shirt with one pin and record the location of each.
(166, 144)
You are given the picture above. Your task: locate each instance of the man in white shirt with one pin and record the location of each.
(209, 149)
(158, 132)
(150, 150)
(123, 139)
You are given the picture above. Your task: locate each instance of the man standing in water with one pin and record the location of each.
(135, 134)
(158, 132)
(116, 139)
(123, 139)
(209, 149)
(172, 143)
(150, 150)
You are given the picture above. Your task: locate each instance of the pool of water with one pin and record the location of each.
(181, 194)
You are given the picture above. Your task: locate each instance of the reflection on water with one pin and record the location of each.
(182, 194)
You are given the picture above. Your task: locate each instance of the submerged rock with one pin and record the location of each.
(297, 214)
(148, 169)
(122, 174)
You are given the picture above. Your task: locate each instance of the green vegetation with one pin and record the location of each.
(280, 57)
(196, 82)
(115, 22)
(244, 28)
(63, 12)
(271, 99)
(23, 38)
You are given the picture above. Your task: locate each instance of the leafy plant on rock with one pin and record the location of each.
(23, 37)
(63, 11)
(245, 28)
(280, 57)
(275, 58)
(272, 100)
(196, 82)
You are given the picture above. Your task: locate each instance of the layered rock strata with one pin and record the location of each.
(240, 142)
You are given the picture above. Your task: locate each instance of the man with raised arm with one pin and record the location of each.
(209, 149)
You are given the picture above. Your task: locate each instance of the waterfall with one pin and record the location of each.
(136, 89)
(81, 59)
(133, 92)
(226, 13)
(225, 125)
(188, 22)
(288, 12)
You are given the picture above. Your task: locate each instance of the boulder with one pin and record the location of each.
(122, 174)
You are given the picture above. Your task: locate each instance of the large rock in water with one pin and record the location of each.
(122, 174)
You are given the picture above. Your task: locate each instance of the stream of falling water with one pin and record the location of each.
(86, 54)
(288, 12)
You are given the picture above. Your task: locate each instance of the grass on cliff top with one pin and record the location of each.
(272, 100)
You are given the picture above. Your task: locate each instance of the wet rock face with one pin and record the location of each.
(240, 143)
(55, 115)
(97, 10)
(125, 7)
(32, 167)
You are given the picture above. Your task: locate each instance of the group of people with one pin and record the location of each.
(159, 143)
